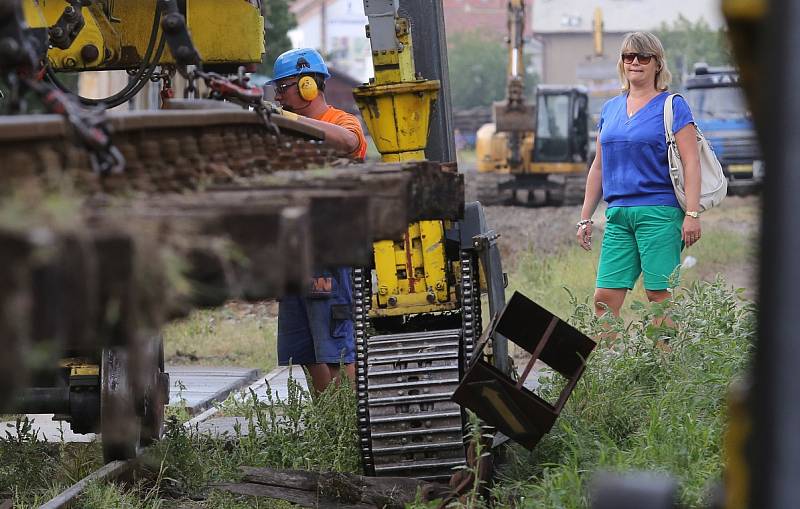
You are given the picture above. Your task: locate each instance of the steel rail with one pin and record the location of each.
(116, 469)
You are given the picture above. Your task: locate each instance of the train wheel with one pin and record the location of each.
(155, 400)
(119, 422)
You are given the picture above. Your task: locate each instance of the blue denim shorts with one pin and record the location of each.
(310, 332)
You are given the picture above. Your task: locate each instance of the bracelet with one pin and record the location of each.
(583, 222)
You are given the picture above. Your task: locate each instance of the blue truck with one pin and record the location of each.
(721, 112)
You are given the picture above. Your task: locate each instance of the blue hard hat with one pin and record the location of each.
(299, 61)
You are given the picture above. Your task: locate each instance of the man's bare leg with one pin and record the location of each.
(349, 371)
(321, 376)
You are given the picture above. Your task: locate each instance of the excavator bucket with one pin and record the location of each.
(506, 403)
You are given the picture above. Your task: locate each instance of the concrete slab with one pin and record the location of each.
(199, 387)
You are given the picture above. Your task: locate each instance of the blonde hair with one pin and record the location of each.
(645, 42)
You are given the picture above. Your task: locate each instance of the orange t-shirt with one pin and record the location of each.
(349, 122)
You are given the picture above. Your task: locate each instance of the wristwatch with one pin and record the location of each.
(693, 213)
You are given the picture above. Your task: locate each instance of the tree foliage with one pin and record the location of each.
(478, 71)
(686, 43)
(279, 20)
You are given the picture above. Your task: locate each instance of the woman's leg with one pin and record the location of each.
(659, 296)
(611, 297)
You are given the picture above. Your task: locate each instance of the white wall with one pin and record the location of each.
(551, 16)
(347, 46)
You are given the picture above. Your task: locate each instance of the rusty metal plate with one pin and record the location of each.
(517, 412)
(524, 322)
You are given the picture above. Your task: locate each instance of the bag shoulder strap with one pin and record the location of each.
(668, 119)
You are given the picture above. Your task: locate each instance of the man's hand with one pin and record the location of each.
(276, 109)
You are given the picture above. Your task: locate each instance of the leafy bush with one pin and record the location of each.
(652, 398)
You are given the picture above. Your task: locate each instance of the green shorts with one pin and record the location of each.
(641, 239)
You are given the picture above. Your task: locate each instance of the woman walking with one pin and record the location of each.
(645, 226)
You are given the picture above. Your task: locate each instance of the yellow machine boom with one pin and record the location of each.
(116, 34)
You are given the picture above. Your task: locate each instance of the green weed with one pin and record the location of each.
(299, 432)
(639, 407)
(33, 470)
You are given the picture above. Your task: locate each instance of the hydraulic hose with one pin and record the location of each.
(138, 81)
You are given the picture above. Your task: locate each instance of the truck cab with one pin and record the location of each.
(720, 111)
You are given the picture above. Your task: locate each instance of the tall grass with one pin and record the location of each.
(543, 279)
(33, 470)
(640, 405)
(223, 337)
(299, 432)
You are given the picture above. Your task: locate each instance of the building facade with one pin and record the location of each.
(565, 29)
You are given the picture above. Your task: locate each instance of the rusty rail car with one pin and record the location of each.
(213, 205)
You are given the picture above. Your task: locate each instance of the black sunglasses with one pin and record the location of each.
(282, 88)
(644, 58)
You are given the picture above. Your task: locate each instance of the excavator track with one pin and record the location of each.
(408, 424)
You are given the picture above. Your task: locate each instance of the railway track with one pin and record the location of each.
(120, 468)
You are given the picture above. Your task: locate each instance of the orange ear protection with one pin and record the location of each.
(307, 88)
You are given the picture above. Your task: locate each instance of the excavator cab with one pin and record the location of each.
(562, 134)
(554, 155)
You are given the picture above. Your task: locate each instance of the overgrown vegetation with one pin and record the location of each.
(477, 62)
(234, 335)
(652, 399)
(299, 432)
(543, 279)
(640, 405)
(33, 470)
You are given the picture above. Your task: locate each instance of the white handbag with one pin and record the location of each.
(713, 184)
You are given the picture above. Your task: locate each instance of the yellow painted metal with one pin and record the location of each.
(122, 35)
(413, 304)
(396, 65)
(226, 31)
(412, 272)
(558, 168)
(96, 32)
(396, 106)
(85, 370)
(431, 235)
(492, 151)
(79, 366)
(398, 116)
(386, 272)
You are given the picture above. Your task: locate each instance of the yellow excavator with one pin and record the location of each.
(533, 154)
